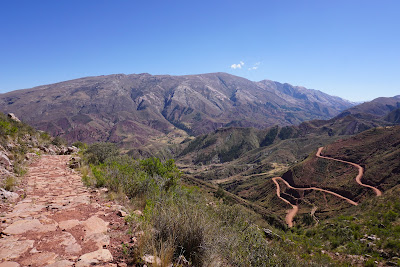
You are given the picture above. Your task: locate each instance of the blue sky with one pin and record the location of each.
(346, 48)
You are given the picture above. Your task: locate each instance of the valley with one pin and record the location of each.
(286, 159)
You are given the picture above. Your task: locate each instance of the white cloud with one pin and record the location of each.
(255, 66)
(237, 66)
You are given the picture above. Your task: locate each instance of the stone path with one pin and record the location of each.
(60, 222)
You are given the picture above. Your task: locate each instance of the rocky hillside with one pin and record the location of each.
(227, 144)
(19, 143)
(378, 107)
(136, 108)
(376, 150)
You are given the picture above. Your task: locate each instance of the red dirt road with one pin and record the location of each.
(360, 171)
(291, 213)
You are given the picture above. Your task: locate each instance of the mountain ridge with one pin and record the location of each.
(87, 109)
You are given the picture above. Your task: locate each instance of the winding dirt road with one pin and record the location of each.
(291, 213)
(295, 208)
(360, 171)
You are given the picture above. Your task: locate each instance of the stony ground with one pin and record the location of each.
(60, 222)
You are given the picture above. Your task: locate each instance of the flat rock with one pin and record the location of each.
(25, 208)
(62, 263)
(9, 264)
(40, 259)
(101, 255)
(81, 200)
(11, 248)
(69, 241)
(95, 225)
(66, 225)
(23, 226)
(100, 239)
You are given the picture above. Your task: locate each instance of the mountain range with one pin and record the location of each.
(133, 109)
(252, 144)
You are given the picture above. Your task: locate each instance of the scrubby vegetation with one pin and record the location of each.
(16, 140)
(371, 231)
(180, 220)
(211, 226)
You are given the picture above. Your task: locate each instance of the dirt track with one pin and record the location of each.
(360, 171)
(291, 213)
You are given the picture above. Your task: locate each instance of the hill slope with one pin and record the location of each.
(376, 150)
(135, 108)
(378, 107)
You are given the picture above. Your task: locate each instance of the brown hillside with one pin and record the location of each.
(136, 108)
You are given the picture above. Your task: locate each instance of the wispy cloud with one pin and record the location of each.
(255, 66)
(237, 66)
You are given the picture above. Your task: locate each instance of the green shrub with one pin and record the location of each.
(97, 153)
(80, 145)
(44, 136)
(370, 263)
(391, 216)
(9, 183)
(59, 141)
(183, 226)
(99, 176)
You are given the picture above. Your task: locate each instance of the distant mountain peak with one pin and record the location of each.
(134, 108)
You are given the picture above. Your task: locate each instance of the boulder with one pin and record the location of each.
(122, 213)
(10, 146)
(5, 173)
(5, 161)
(44, 149)
(72, 149)
(63, 151)
(150, 259)
(7, 195)
(13, 117)
(271, 235)
(138, 213)
(75, 162)
(30, 156)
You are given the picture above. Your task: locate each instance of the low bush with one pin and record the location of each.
(59, 141)
(97, 153)
(80, 145)
(9, 183)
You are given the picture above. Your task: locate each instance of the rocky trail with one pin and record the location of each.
(60, 222)
(292, 213)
